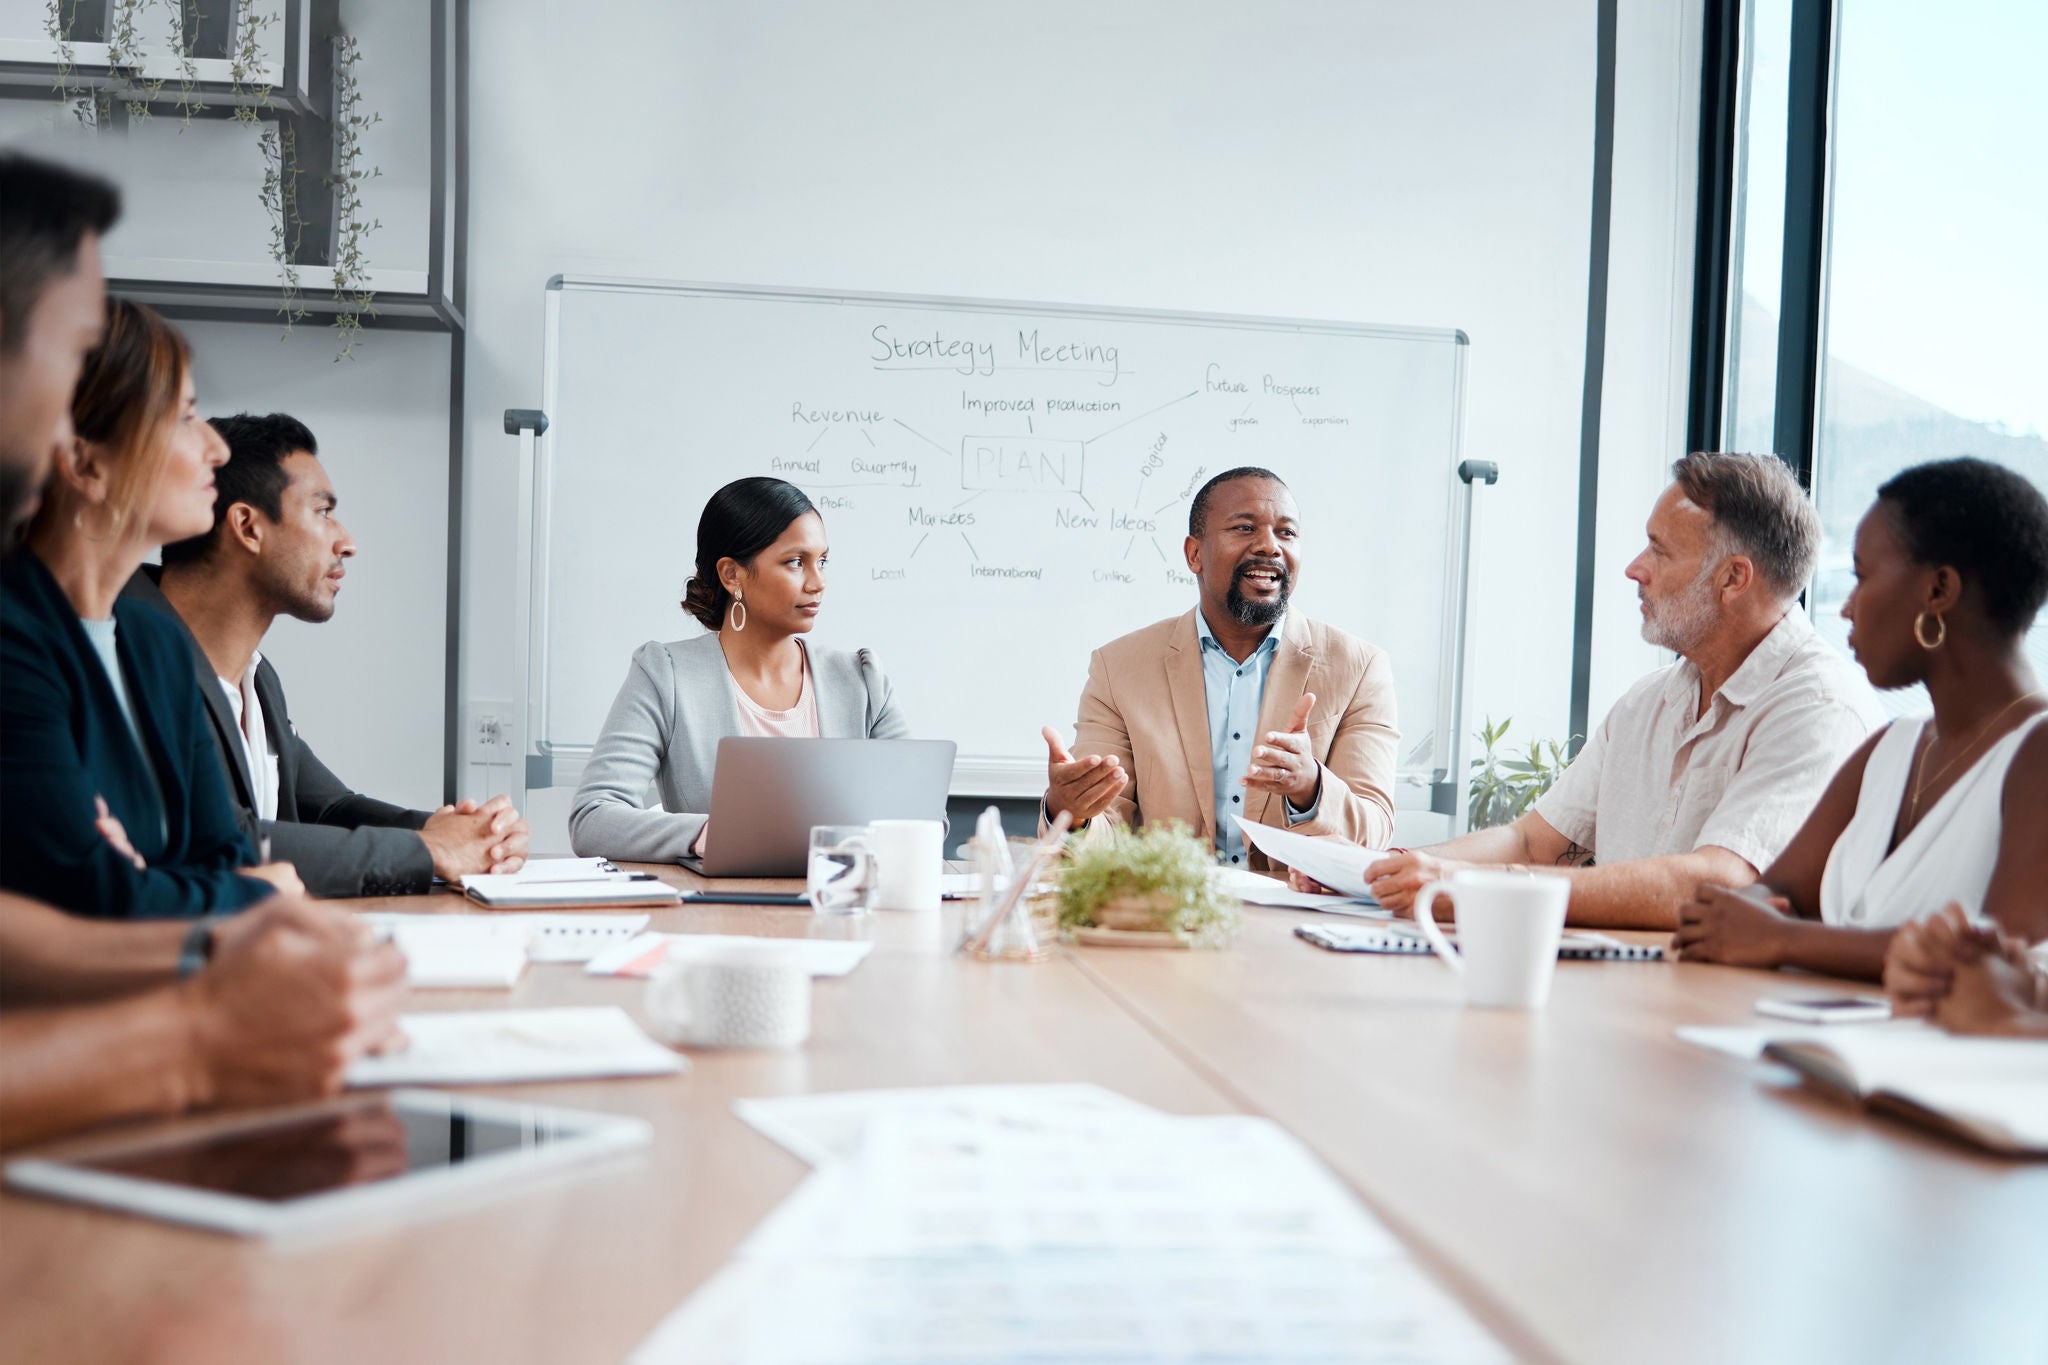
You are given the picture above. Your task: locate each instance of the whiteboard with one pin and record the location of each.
(1004, 486)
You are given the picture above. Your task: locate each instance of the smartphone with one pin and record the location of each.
(1827, 1009)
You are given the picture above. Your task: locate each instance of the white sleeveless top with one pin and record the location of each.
(1948, 856)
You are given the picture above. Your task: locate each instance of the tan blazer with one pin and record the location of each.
(1145, 702)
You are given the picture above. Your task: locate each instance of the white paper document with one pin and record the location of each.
(486, 1047)
(641, 955)
(476, 949)
(1050, 1222)
(567, 870)
(514, 891)
(448, 951)
(1335, 863)
(829, 1126)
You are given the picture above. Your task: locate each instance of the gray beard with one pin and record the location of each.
(1687, 618)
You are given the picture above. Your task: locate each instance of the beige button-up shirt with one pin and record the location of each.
(1657, 778)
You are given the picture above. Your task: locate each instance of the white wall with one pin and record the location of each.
(1390, 163)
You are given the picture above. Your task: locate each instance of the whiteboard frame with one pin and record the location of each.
(545, 763)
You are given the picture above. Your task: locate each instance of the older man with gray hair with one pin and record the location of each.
(1703, 770)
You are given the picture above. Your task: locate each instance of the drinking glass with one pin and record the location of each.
(839, 876)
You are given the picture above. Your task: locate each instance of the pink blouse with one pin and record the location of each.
(798, 722)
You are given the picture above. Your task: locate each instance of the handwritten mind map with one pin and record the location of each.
(1087, 473)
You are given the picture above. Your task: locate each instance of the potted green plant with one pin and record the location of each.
(1503, 788)
(1152, 882)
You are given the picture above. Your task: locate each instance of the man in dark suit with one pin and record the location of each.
(277, 548)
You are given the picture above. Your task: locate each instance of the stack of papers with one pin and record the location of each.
(1029, 1222)
(565, 882)
(641, 955)
(493, 1047)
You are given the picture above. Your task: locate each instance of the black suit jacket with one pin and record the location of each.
(342, 842)
(66, 740)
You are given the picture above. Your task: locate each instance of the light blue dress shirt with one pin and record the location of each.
(1235, 691)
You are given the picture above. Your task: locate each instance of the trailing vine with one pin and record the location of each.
(353, 301)
(281, 198)
(185, 19)
(125, 58)
(245, 61)
(87, 105)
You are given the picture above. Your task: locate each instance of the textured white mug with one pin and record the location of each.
(739, 996)
(909, 855)
(1509, 925)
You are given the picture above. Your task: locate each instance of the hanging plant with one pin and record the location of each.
(87, 105)
(185, 17)
(352, 299)
(125, 58)
(245, 61)
(281, 198)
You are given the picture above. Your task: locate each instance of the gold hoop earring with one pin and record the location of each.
(1940, 630)
(739, 615)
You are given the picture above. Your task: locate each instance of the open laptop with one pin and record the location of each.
(767, 794)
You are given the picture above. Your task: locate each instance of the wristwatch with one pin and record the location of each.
(197, 949)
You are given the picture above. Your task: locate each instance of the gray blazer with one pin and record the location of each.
(663, 732)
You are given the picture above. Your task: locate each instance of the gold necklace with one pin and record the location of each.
(1920, 768)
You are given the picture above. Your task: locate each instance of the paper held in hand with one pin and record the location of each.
(1335, 863)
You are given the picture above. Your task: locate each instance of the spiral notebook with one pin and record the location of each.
(1575, 946)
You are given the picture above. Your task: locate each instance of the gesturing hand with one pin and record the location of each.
(1284, 764)
(1082, 787)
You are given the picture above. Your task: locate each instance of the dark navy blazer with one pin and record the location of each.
(64, 740)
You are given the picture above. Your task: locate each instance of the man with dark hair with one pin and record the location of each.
(104, 1021)
(1240, 707)
(1704, 770)
(277, 549)
(52, 310)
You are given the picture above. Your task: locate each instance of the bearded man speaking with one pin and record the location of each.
(1239, 707)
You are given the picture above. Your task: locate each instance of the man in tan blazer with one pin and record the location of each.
(1240, 707)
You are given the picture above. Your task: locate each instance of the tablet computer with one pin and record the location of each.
(364, 1157)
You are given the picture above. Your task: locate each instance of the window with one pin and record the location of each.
(1927, 227)
(1937, 279)
(1757, 242)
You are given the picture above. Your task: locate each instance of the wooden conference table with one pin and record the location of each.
(1590, 1188)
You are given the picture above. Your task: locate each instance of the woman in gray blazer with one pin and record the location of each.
(759, 584)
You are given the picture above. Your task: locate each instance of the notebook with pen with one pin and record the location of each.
(1400, 937)
(558, 883)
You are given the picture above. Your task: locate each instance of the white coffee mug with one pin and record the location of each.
(751, 996)
(1509, 924)
(909, 855)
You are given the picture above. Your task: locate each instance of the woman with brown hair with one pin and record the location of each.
(112, 802)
